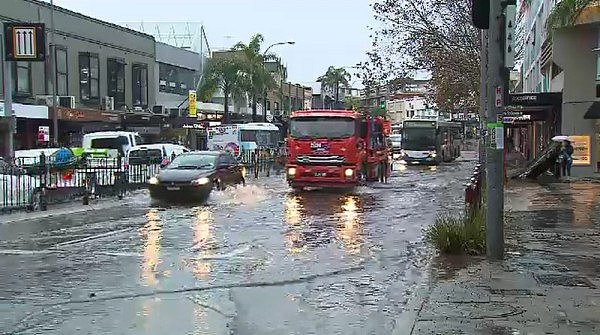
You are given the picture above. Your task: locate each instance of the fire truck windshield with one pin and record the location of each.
(322, 127)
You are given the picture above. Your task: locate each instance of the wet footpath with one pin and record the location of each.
(548, 283)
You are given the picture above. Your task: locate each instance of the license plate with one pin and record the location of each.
(173, 188)
(320, 174)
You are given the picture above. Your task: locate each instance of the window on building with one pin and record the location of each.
(89, 77)
(175, 79)
(21, 81)
(140, 85)
(116, 81)
(598, 76)
(62, 76)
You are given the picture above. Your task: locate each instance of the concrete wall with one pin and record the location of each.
(169, 54)
(79, 33)
(572, 51)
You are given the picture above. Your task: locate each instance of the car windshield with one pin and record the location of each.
(419, 139)
(193, 161)
(322, 127)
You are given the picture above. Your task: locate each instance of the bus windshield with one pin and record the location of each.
(262, 138)
(322, 127)
(419, 139)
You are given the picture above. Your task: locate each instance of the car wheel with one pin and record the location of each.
(218, 185)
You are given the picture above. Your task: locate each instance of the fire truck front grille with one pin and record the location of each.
(320, 160)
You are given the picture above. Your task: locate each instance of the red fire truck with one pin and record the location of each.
(335, 149)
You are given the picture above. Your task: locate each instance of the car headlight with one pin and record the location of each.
(348, 172)
(201, 181)
(433, 154)
(153, 181)
(292, 171)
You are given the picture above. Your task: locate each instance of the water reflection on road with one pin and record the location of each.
(323, 262)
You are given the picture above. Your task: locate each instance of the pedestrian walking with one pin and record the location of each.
(567, 158)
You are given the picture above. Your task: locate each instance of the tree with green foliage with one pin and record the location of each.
(334, 78)
(352, 103)
(565, 13)
(432, 35)
(260, 79)
(228, 75)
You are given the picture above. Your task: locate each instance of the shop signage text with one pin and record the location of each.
(581, 150)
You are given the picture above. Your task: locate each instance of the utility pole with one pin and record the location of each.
(54, 75)
(496, 89)
(483, 99)
(8, 110)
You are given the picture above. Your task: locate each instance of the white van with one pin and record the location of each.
(110, 143)
(144, 161)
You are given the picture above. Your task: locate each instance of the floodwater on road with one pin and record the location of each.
(258, 259)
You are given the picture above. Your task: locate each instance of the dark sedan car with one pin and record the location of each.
(192, 176)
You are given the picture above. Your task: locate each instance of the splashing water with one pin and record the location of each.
(249, 195)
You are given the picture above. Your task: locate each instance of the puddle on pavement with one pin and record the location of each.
(446, 267)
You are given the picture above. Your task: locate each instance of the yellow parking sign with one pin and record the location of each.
(192, 105)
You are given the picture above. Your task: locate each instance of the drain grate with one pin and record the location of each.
(563, 280)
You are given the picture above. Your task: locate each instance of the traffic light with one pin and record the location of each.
(480, 13)
(382, 105)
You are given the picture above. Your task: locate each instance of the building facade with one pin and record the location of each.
(566, 65)
(97, 68)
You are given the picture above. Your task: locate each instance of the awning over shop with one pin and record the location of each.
(593, 112)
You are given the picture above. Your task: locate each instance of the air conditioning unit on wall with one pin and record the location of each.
(66, 101)
(108, 103)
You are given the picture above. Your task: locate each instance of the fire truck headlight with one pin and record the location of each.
(349, 173)
(292, 171)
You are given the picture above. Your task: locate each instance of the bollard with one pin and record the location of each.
(119, 177)
(43, 181)
(86, 182)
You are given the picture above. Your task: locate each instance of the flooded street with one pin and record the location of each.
(258, 259)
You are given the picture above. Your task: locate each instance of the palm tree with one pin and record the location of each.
(226, 74)
(565, 13)
(334, 78)
(260, 79)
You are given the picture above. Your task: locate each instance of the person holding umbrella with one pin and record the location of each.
(567, 157)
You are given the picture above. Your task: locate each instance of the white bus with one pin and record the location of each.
(426, 141)
(243, 137)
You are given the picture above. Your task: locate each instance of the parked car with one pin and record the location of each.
(192, 176)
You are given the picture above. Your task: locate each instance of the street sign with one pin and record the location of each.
(192, 104)
(509, 36)
(43, 134)
(499, 96)
(25, 42)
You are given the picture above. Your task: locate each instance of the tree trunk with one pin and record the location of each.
(337, 95)
(254, 108)
(226, 107)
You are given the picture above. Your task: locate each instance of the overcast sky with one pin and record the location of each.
(326, 32)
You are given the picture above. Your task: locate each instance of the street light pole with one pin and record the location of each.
(265, 68)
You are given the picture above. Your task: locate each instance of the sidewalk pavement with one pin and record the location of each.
(548, 284)
(75, 207)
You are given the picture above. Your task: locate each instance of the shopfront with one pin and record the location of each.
(189, 132)
(589, 145)
(73, 123)
(530, 122)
